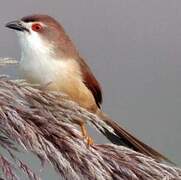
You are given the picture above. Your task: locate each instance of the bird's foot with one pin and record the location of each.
(90, 141)
(88, 138)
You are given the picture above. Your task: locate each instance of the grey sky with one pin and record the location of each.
(133, 48)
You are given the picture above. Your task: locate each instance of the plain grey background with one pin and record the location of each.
(133, 47)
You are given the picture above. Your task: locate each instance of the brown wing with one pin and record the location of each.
(91, 82)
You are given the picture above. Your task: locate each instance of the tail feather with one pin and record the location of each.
(122, 137)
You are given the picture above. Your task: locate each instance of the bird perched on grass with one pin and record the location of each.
(49, 58)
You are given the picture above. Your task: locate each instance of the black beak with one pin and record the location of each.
(17, 25)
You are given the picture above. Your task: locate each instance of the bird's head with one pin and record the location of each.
(42, 33)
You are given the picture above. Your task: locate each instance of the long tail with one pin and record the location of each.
(120, 136)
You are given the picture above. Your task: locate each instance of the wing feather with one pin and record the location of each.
(91, 82)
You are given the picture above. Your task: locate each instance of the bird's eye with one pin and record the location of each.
(36, 27)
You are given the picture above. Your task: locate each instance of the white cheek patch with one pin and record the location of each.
(32, 41)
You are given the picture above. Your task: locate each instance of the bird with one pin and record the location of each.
(50, 58)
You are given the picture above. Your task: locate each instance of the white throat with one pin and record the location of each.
(38, 64)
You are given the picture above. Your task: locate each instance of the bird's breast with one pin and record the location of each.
(46, 69)
(58, 75)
